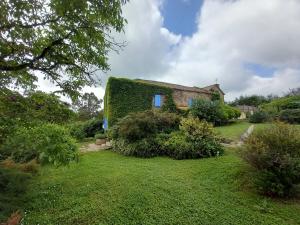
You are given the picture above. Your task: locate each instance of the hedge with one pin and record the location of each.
(123, 96)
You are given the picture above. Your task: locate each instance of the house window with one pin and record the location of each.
(157, 101)
(190, 102)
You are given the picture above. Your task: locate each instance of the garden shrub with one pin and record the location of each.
(215, 112)
(13, 184)
(148, 134)
(178, 147)
(145, 147)
(77, 130)
(28, 167)
(206, 110)
(92, 126)
(137, 126)
(100, 136)
(89, 128)
(141, 134)
(274, 107)
(196, 139)
(258, 117)
(290, 115)
(275, 154)
(48, 143)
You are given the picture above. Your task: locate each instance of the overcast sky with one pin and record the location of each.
(249, 46)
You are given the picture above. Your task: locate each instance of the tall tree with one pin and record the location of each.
(252, 100)
(66, 41)
(88, 106)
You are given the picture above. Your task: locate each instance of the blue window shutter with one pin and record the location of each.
(157, 101)
(105, 124)
(190, 102)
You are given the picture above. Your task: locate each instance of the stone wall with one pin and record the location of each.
(181, 98)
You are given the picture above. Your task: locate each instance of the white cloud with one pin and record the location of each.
(148, 43)
(230, 34)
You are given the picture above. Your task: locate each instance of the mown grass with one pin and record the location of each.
(234, 130)
(108, 188)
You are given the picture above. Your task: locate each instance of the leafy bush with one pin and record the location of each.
(145, 147)
(17, 110)
(213, 111)
(77, 130)
(137, 126)
(197, 139)
(275, 153)
(277, 105)
(89, 128)
(93, 126)
(49, 143)
(100, 136)
(206, 110)
(228, 113)
(290, 115)
(258, 117)
(14, 179)
(28, 167)
(149, 136)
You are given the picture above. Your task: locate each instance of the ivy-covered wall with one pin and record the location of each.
(123, 96)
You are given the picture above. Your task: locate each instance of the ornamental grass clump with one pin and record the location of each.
(274, 152)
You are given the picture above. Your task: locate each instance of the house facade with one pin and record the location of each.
(123, 96)
(184, 95)
(246, 110)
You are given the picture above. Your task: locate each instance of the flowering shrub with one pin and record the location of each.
(275, 153)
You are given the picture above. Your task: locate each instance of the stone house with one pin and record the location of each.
(246, 110)
(184, 95)
(123, 96)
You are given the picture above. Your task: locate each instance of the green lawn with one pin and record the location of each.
(108, 188)
(235, 130)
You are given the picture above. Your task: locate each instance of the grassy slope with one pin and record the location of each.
(107, 188)
(235, 130)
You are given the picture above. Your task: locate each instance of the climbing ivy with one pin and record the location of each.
(123, 96)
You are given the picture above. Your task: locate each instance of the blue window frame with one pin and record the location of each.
(190, 102)
(105, 124)
(157, 101)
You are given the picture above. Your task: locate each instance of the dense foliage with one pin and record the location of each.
(66, 41)
(151, 133)
(290, 115)
(196, 139)
(213, 111)
(253, 100)
(17, 110)
(87, 106)
(275, 153)
(86, 129)
(258, 117)
(274, 107)
(136, 126)
(123, 96)
(48, 143)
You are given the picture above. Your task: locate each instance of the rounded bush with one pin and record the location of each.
(146, 147)
(290, 115)
(137, 126)
(89, 128)
(49, 143)
(100, 136)
(215, 112)
(258, 117)
(275, 153)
